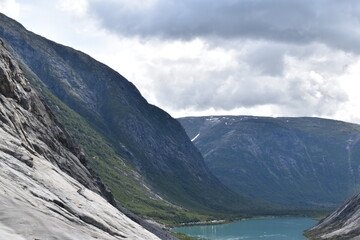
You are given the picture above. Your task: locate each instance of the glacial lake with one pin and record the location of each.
(254, 229)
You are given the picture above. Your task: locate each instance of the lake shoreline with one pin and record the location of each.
(286, 226)
(226, 221)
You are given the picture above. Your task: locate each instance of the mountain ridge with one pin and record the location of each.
(310, 162)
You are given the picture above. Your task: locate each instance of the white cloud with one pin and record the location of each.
(10, 8)
(222, 79)
(77, 8)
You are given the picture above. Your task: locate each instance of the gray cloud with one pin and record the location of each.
(184, 85)
(268, 59)
(332, 22)
(279, 45)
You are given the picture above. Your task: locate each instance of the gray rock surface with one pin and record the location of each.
(46, 191)
(344, 223)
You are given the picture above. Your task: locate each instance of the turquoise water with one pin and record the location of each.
(255, 229)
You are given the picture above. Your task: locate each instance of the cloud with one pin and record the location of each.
(307, 83)
(10, 8)
(331, 22)
(76, 8)
(267, 59)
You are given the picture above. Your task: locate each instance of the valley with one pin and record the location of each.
(82, 149)
(110, 118)
(133, 146)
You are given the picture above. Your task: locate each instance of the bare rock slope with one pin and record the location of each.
(344, 223)
(46, 191)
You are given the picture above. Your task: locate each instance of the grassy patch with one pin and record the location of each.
(182, 236)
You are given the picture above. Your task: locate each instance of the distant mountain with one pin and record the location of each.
(140, 151)
(309, 162)
(344, 223)
(46, 189)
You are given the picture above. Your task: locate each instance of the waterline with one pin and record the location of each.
(252, 229)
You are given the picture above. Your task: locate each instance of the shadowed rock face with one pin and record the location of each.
(308, 162)
(46, 191)
(344, 223)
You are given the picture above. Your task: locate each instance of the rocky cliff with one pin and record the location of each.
(344, 223)
(134, 146)
(308, 162)
(46, 190)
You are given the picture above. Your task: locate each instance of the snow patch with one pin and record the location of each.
(213, 119)
(195, 137)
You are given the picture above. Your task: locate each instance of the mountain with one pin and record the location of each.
(138, 150)
(46, 189)
(308, 162)
(344, 223)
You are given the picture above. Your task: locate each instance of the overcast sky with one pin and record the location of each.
(202, 57)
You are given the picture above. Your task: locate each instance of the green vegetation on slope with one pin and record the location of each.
(112, 164)
(182, 236)
(125, 183)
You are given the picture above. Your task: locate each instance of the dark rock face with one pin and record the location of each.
(307, 162)
(147, 137)
(344, 223)
(46, 191)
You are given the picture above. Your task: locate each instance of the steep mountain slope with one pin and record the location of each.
(344, 223)
(141, 152)
(46, 191)
(293, 161)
